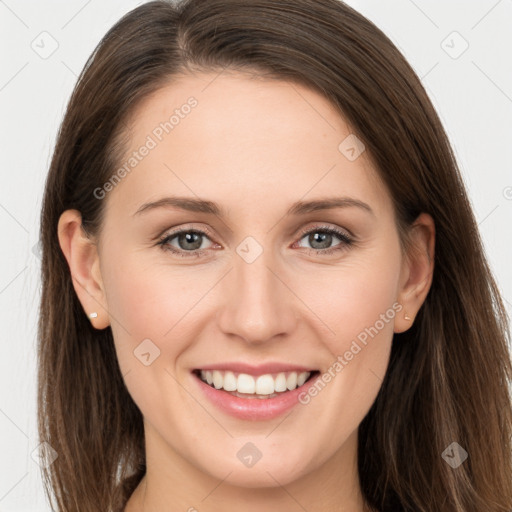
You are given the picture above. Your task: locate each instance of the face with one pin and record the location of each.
(262, 289)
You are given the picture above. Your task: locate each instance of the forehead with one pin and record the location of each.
(233, 135)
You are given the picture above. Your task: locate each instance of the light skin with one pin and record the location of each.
(255, 147)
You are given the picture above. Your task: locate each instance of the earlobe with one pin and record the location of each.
(83, 260)
(417, 271)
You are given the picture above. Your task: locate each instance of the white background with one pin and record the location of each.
(472, 93)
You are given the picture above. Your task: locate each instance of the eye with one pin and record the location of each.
(321, 244)
(189, 242)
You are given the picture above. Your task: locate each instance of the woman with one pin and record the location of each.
(249, 370)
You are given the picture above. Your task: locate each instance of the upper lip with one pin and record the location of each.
(261, 369)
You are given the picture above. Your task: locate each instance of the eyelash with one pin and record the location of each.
(346, 240)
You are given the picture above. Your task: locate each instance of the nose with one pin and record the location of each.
(259, 303)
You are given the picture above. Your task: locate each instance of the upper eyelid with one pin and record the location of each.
(324, 227)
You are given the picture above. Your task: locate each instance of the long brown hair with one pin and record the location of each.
(449, 375)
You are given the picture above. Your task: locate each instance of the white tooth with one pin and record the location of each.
(291, 381)
(229, 381)
(302, 378)
(280, 382)
(245, 383)
(217, 379)
(265, 385)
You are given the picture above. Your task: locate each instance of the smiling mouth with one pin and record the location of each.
(264, 386)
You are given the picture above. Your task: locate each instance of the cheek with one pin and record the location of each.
(148, 303)
(356, 300)
(359, 308)
(148, 306)
(363, 309)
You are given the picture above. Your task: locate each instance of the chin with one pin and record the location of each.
(275, 469)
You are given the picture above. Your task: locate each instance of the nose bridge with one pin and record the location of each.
(258, 306)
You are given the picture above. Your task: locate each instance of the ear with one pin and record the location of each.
(83, 260)
(417, 271)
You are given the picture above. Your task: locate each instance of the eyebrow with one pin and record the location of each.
(299, 208)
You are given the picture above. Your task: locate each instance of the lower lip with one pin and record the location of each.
(255, 409)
